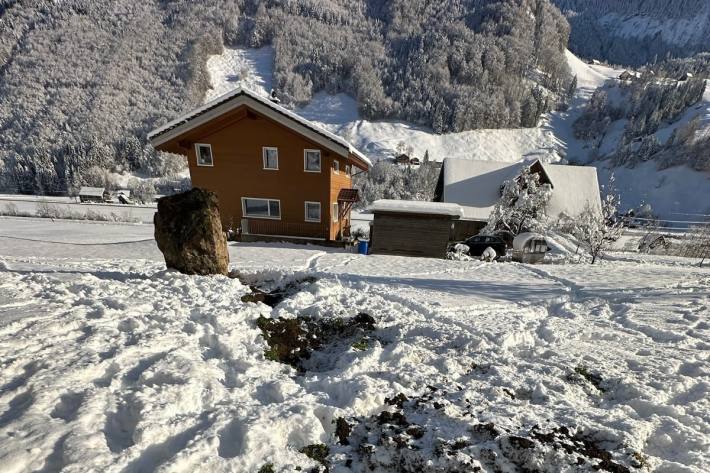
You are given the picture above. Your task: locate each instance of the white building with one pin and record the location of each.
(477, 186)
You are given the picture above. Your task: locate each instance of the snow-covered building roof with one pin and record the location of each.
(476, 186)
(242, 96)
(91, 191)
(574, 188)
(417, 207)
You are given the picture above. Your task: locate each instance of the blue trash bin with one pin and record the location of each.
(362, 246)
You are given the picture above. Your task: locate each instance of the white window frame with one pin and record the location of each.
(263, 157)
(197, 155)
(305, 160)
(336, 166)
(305, 210)
(335, 208)
(268, 206)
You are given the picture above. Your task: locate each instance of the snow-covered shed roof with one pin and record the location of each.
(240, 96)
(417, 207)
(476, 186)
(91, 191)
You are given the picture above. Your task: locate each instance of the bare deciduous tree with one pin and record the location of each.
(596, 229)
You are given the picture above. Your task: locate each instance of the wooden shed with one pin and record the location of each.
(412, 228)
(92, 194)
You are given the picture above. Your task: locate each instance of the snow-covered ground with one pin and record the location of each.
(111, 363)
(69, 207)
(552, 141)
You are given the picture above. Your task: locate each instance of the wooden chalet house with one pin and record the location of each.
(276, 174)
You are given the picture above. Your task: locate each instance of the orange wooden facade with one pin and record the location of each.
(237, 140)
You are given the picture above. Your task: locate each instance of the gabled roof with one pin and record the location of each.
(575, 188)
(476, 186)
(243, 96)
(91, 191)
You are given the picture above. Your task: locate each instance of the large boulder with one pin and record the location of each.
(189, 233)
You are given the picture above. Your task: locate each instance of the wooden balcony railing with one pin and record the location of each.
(259, 226)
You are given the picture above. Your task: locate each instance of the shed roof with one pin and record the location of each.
(241, 96)
(91, 191)
(476, 186)
(417, 207)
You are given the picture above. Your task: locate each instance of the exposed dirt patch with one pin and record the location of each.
(583, 374)
(293, 340)
(434, 433)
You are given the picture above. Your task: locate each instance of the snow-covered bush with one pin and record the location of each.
(521, 206)
(459, 253)
(10, 209)
(46, 210)
(361, 233)
(142, 190)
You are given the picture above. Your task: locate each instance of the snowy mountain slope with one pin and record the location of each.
(637, 31)
(552, 141)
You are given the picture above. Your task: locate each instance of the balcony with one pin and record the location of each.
(278, 228)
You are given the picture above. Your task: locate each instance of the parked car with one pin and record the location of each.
(478, 244)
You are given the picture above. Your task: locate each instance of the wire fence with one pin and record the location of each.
(689, 238)
(696, 244)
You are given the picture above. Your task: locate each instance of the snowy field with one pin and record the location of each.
(110, 363)
(68, 206)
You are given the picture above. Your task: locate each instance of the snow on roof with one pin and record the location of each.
(92, 191)
(184, 122)
(476, 186)
(574, 189)
(416, 207)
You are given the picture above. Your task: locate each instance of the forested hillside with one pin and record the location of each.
(636, 32)
(639, 108)
(82, 82)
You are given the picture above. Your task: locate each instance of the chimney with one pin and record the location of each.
(273, 97)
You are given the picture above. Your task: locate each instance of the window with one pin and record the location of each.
(312, 211)
(336, 165)
(261, 208)
(335, 211)
(348, 170)
(311, 160)
(204, 154)
(271, 157)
